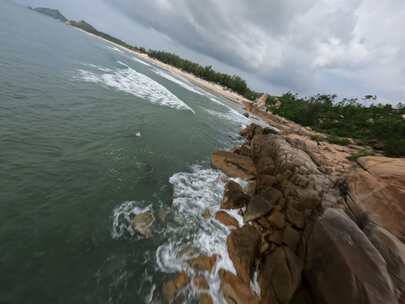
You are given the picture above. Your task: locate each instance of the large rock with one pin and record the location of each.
(233, 165)
(257, 208)
(280, 276)
(172, 287)
(204, 263)
(243, 248)
(343, 266)
(226, 219)
(236, 291)
(393, 252)
(380, 192)
(143, 222)
(234, 197)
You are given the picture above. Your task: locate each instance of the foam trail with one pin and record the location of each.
(181, 83)
(130, 81)
(114, 48)
(141, 61)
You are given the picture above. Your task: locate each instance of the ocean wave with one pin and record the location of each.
(182, 83)
(114, 48)
(130, 81)
(140, 61)
(231, 115)
(194, 194)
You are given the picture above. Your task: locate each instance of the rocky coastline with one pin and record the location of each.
(317, 228)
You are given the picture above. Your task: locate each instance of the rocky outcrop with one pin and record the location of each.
(172, 287)
(243, 248)
(234, 197)
(280, 276)
(235, 291)
(203, 263)
(343, 266)
(378, 189)
(306, 232)
(233, 164)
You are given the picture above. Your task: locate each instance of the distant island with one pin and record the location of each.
(54, 13)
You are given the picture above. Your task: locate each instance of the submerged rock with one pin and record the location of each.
(204, 263)
(143, 222)
(234, 165)
(172, 287)
(243, 248)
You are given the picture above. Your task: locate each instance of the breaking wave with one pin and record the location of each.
(140, 61)
(130, 81)
(183, 83)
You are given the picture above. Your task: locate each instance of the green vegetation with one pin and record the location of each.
(234, 83)
(378, 125)
(53, 13)
(361, 153)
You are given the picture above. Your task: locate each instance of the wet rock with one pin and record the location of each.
(243, 248)
(234, 197)
(163, 213)
(343, 266)
(143, 222)
(204, 263)
(172, 287)
(276, 237)
(291, 238)
(226, 219)
(393, 252)
(206, 214)
(264, 223)
(236, 291)
(200, 282)
(233, 165)
(205, 298)
(277, 218)
(265, 166)
(246, 114)
(251, 188)
(280, 276)
(257, 208)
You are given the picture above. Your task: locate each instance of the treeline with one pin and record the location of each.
(378, 125)
(234, 82)
(83, 25)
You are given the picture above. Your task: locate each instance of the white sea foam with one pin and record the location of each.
(231, 115)
(141, 61)
(130, 81)
(194, 193)
(114, 48)
(183, 83)
(123, 215)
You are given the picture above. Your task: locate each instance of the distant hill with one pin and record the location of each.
(53, 13)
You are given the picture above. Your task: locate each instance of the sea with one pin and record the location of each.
(91, 136)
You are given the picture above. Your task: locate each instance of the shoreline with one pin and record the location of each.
(201, 83)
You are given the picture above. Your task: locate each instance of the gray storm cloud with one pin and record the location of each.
(348, 47)
(344, 46)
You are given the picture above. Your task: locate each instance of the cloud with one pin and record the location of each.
(306, 45)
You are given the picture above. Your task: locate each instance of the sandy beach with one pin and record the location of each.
(204, 84)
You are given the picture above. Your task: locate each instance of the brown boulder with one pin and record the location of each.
(382, 202)
(200, 282)
(280, 276)
(277, 218)
(243, 247)
(379, 190)
(172, 287)
(274, 196)
(295, 217)
(233, 165)
(393, 252)
(257, 208)
(264, 182)
(234, 198)
(204, 263)
(236, 291)
(226, 219)
(205, 298)
(343, 266)
(291, 237)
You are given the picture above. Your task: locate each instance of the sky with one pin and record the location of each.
(344, 47)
